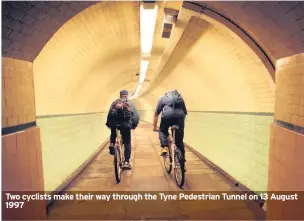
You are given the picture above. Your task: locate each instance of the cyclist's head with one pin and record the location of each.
(172, 91)
(124, 94)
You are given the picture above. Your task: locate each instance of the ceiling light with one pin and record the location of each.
(143, 71)
(148, 15)
(147, 27)
(135, 94)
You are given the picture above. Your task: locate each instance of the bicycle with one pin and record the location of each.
(118, 156)
(178, 163)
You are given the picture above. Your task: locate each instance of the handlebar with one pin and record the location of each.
(174, 127)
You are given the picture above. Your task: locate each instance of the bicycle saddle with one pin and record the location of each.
(174, 127)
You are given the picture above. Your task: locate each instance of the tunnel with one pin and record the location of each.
(238, 65)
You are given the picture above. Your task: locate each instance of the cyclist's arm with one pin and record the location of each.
(108, 117)
(158, 110)
(155, 120)
(185, 109)
(135, 114)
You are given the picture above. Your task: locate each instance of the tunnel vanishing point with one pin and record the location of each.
(238, 65)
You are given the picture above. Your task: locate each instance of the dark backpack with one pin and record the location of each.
(176, 98)
(121, 111)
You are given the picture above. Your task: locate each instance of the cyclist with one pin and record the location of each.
(123, 116)
(174, 111)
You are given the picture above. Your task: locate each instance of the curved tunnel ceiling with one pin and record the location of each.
(105, 35)
(88, 60)
(277, 26)
(214, 70)
(28, 25)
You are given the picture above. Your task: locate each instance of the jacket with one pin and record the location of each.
(133, 123)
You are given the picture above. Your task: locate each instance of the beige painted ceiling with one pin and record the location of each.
(85, 52)
(85, 66)
(213, 68)
(88, 60)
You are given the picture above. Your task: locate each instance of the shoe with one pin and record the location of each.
(164, 152)
(126, 165)
(112, 149)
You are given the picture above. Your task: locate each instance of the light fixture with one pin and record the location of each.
(143, 70)
(148, 14)
(135, 94)
(147, 27)
(138, 88)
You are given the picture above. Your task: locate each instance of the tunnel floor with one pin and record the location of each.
(148, 174)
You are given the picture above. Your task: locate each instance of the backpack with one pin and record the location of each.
(121, 111)
(176, 98)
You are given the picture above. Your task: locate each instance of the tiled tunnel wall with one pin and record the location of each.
(18, 108)
(21, 151)
(22, 162)
(28, 25)
(287, 143)
(281, 22)
(238, 143)
(287, 138)
(39, 149)
(18, 101)
(67, 142)
(289, 90)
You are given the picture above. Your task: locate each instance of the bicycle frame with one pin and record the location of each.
(172, 145)
(175, 156)
(119, 144)
(119, 156)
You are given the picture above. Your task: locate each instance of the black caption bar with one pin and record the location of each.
(173, 205)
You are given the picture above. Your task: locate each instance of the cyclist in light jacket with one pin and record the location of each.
(174, 111)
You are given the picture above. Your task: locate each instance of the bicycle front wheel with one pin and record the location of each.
(117, 165)
(179, 169)
(168, 161)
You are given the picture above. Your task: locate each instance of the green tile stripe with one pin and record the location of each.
(289, 126)
(17, 128)
(230, 112)
(66, 115)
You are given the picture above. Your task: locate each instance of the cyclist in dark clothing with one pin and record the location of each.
(124, 126)
(174, 111)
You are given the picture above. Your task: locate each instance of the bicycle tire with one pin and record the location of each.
(179, 162)
(168, 168)
(117, 165)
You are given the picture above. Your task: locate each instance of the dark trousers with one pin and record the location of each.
(126, 139)
(179, 134)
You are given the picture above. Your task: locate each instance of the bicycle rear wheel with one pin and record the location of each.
(179, 168)
(168, 161)
(117, 164)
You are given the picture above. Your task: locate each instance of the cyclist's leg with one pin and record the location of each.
(112, 140)
(163, 134)
(179, 135)
(126, 137)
